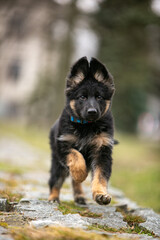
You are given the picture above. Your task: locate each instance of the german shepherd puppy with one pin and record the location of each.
(82, 138)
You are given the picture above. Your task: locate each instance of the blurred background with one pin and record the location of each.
(39, 40)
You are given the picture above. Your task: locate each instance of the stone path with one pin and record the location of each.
(34, 210)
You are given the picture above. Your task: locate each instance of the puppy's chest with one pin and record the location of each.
(89, 141)
(83, 142)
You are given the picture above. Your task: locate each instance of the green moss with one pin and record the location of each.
(133, 220)
(70, 207)
(139, 230)
(99, 227)
(88, 213)
(135, 229)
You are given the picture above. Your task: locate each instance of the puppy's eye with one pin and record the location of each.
(99, 97)
(83, 98)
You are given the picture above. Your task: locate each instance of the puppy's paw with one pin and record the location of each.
(53, 199)
(103, 199)
(54, 195)
(80, 200)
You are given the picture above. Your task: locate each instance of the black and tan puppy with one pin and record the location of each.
(82, 138)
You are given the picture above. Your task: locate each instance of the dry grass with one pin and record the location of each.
(56, 233)
(3, 224)
(10, 196)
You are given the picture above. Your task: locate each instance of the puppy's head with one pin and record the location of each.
(89, 89)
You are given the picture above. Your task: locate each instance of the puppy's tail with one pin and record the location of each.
(116, 142)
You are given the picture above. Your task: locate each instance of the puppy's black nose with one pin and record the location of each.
(92, 111)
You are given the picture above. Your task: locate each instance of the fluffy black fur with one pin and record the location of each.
(89, 87)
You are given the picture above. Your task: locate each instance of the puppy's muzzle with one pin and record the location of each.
(92, 114)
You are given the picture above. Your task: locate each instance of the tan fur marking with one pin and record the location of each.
(72, 105)
(68, 138)
(54, 194)
(78, 78)
(75, 80)
(99, 76)
(107, 106)
(77, 166)
(103, 139)
(77, 189)
(99, 184)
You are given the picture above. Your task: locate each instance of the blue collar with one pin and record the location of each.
(76, 120)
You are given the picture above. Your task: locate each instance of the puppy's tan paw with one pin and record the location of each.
(54, 195)
(102, 199)
(53, 199)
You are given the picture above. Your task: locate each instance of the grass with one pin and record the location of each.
(56, 233)
(69, 207)
(136, 170)
(10, 196)
(37, 137)
(10, 168)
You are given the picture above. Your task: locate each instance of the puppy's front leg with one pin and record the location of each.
(101, 171)
(99, 187)
(77, 165)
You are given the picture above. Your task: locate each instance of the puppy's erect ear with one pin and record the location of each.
(100, 73)
(77, 74)
(80, 67)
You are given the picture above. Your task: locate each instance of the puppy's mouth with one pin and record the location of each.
(92, 118)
